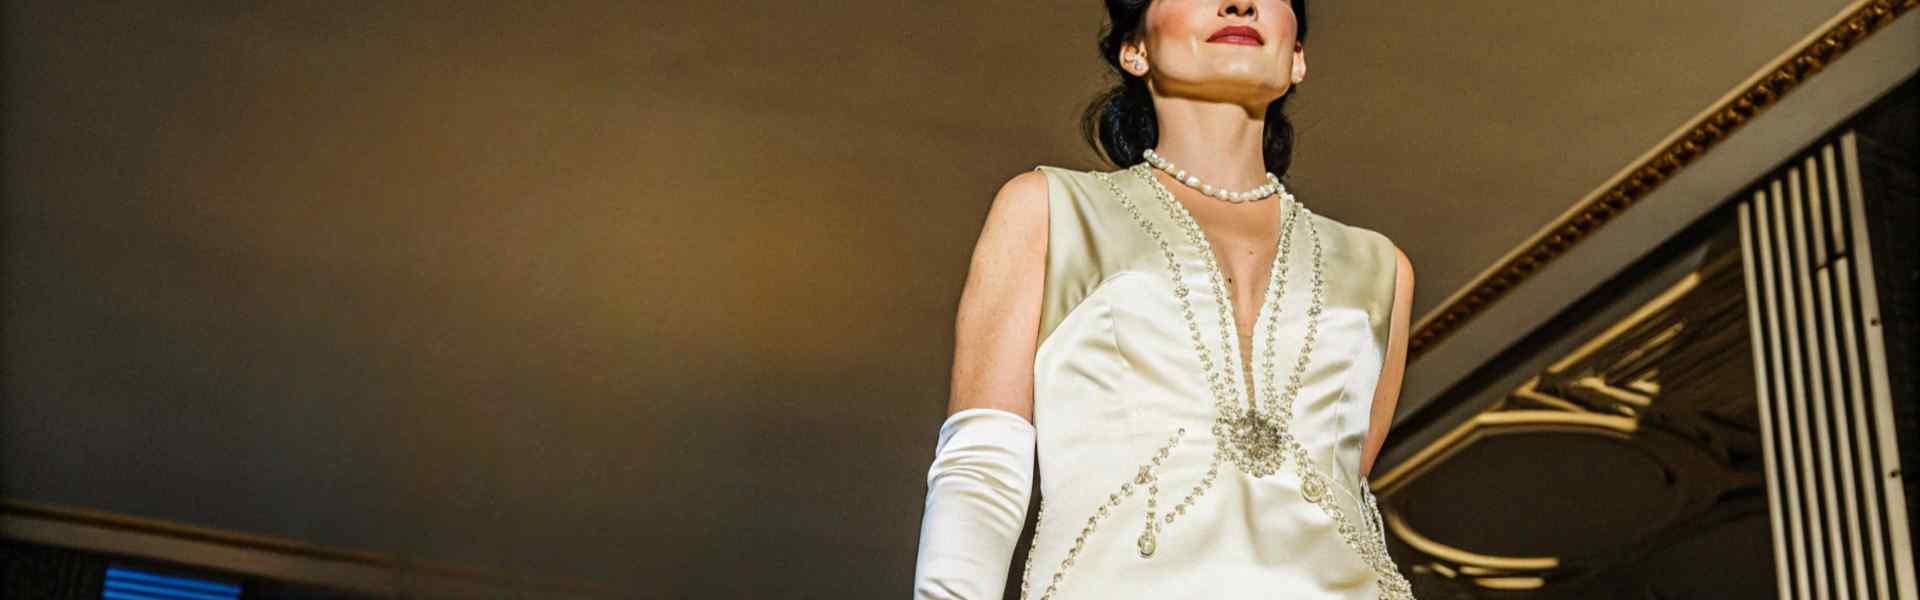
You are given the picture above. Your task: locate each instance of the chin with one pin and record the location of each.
(1252, 74)
(1251, 82)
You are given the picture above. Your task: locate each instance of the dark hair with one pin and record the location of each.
(1120, 123)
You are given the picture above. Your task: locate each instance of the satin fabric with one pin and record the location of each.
(978, 489)
(1116, 373)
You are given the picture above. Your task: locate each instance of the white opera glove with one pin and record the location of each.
(977, 493)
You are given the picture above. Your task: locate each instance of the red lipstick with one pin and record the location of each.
(1236, 34)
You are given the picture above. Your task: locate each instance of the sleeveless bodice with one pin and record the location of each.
(1126, 418)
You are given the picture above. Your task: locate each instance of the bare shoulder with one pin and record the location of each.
(1026, 191)
(1023, 197)
(999, 311)
(1016, 227)
(1402, 286)
(1402, 268)
(1401, 262)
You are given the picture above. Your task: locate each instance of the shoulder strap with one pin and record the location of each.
(1073, 222)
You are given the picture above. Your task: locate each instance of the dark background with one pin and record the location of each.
(656, 295)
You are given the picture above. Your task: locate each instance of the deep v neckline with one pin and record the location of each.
(1268, 289)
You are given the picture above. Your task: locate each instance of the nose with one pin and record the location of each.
(1238, 8)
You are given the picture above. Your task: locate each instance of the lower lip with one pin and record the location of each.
(1235, 39)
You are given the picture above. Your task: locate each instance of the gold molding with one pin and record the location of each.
(1505, 417)
(1469, 562)
(1606, 337)
(1603, 384)
(1501, 422)
(1633, 184)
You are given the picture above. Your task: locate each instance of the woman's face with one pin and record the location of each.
(1191, 47)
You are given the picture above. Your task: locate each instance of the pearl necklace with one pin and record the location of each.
(1271, 187)
(1257, 443)
(1257, 440)
(1260, 443)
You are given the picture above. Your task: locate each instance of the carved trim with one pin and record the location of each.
(1636, 182)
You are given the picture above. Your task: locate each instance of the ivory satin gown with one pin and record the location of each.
(1117, 379)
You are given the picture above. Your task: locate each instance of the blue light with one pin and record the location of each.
(129, 584)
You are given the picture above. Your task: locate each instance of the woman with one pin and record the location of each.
(1129, 324)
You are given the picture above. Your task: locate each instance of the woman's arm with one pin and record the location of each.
(1386, 395)
(981, 479)
(999, 318)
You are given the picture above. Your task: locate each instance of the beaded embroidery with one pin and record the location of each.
(1258, 444)
(1145, 476)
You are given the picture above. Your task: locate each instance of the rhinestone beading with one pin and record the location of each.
(1262, 441)
(1026, 573)
(1147, 543)
(1257, 443)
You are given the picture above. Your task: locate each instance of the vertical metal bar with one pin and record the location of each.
(1806, 261)
(1849, 418)
(1758, 339)
(1836, 473)
(1768, 213)
(1847, 475)
(1793, 263)
(1899, 544)
(1857, 403)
